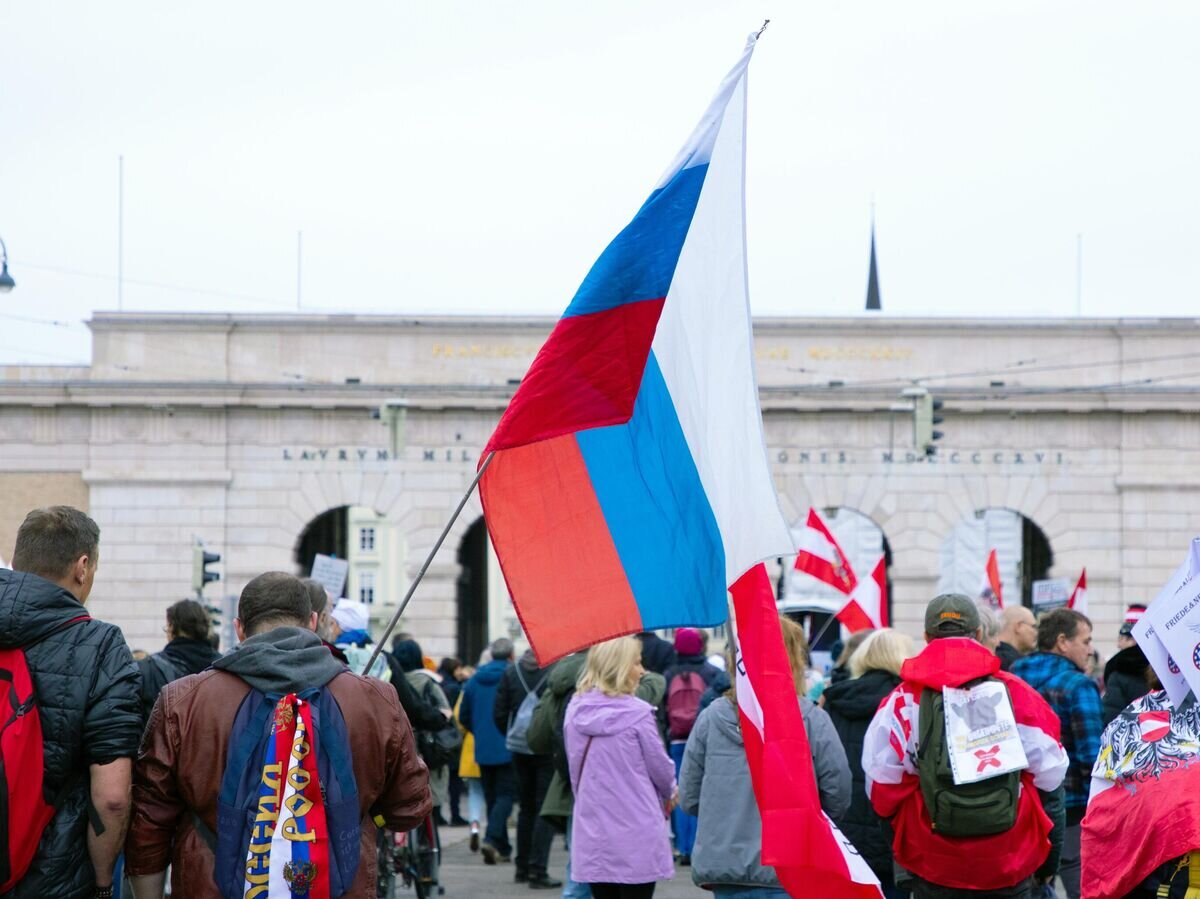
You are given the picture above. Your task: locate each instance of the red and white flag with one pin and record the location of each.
(821, 557)
(867, 606)
(810, 855)
(1078, 600)
(992, 590)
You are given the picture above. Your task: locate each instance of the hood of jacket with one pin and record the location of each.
(282, 660)
(31, 607)
(1130, 660)
(190, 656)
(858, 699)
(728, 721)
(950, 662)
(597, 715)
(566, 674)
(489, 675)
(408, 654)
(529, 666)
(353, 638)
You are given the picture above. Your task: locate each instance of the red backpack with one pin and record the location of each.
(24, 812)
(683, 703)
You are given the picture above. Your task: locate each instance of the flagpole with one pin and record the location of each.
(428, 561)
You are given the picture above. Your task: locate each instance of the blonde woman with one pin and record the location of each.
(622, 777)
(714, 783)
(874, 673)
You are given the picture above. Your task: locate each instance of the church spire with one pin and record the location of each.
(873, 277)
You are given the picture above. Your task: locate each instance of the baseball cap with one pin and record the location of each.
(951, 615)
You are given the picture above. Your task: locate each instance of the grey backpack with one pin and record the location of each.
(515, 739)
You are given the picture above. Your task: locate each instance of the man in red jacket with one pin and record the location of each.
(999, 865)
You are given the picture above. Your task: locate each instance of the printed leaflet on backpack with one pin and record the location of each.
(981, 732)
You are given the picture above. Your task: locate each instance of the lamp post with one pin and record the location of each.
(6, 280)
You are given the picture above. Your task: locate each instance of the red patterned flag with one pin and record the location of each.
(822, 557)
(867, 606)
(992, 589)
(1078, 600)
(810, 855)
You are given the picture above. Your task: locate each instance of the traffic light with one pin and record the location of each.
(214, 617)
(200, 562)
(925, 409)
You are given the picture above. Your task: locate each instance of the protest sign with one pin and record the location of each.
(330, 573)
(1169, 632)
(1050, 594)
(981, 732)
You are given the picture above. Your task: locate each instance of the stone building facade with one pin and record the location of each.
(242, 430)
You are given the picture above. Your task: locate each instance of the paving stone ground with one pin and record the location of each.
(465, 876)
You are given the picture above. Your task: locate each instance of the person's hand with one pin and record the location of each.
(669, 805)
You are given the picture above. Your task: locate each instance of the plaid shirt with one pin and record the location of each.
(1076, 700)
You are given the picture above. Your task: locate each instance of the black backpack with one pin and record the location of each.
(959, 810)
(438, 747)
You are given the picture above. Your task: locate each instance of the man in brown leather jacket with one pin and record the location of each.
(182, 759)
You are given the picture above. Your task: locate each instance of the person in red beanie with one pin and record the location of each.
(687, 680)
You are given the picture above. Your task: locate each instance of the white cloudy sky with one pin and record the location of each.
(461, 156)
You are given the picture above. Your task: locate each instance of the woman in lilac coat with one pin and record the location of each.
(622, 777)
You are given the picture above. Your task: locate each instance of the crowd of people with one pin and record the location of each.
(188, 764)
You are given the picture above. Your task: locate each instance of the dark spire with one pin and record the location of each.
(873, 277)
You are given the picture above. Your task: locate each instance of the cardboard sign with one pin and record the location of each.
(981, 733)
(1050, 594)
(330, 573)
(1170, 630)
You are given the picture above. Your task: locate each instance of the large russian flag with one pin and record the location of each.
(629, 485)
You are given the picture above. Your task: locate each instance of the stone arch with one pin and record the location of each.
(1024, 553)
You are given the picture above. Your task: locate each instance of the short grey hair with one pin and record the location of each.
(502, 649)
(991, 623)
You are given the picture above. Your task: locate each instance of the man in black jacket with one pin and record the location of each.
(533, 771)
(187, 651)
(86, 687)
(1125, 674)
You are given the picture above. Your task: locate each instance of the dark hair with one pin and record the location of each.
(448, 665)
(317, 596)
(408, 655)
(51, 540)
(274, 599)
(1056, 622)
(187, 618)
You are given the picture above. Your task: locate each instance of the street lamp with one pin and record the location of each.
(6, 281)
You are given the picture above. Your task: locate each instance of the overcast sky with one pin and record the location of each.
(476, 157)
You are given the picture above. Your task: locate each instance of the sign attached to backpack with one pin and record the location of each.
(981, 733)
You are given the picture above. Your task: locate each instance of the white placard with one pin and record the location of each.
(330, 573)
(1050, 594)
(1173, 623)
(981, 733)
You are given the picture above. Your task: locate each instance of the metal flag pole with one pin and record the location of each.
(821, 632)
(428, 561)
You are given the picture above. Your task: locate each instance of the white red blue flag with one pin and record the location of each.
(810, 855)
(629, 484)
(288, 854)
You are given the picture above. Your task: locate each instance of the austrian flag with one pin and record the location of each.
(821, 557)
(810, 855)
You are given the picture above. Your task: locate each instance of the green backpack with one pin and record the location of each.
(959, 810)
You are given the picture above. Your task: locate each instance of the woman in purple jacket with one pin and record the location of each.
(622, 777)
